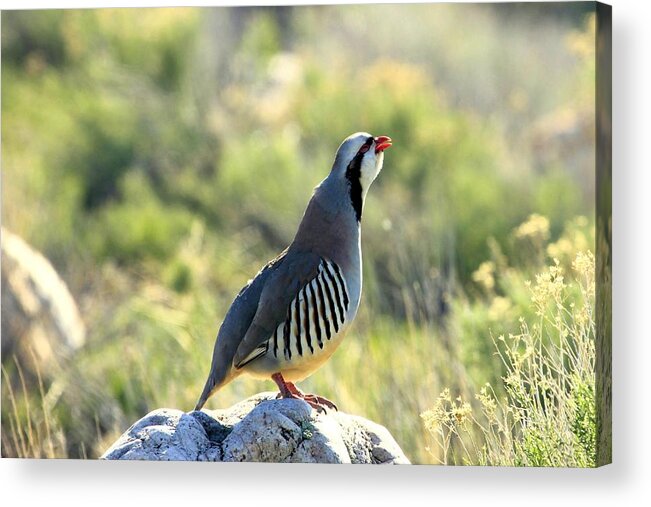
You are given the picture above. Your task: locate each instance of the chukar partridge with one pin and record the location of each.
(289, 319)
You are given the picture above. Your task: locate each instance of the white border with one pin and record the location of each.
(626, 482)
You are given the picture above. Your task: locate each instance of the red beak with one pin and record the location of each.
(382, 143)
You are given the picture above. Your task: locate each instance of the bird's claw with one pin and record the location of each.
(289, 390)
(319, 403)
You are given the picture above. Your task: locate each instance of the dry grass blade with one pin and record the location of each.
(18, 440)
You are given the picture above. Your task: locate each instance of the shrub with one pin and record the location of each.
(547, 415)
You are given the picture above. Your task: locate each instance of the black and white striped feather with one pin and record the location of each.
(314, 317)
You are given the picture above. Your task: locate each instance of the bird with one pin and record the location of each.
(290, 318)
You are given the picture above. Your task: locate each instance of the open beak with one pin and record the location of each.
(382, 143)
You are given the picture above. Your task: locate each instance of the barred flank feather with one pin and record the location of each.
(318, 311)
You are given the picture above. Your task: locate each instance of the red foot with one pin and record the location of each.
(289, 390)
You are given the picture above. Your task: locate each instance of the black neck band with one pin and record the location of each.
(353, 175)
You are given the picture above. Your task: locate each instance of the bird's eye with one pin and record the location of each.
(364, 148)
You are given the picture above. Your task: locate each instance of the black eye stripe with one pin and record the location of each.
(365, 147)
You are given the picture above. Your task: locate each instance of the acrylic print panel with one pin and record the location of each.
(175, 288)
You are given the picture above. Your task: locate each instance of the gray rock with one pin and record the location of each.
(261, 429)
(41, 319)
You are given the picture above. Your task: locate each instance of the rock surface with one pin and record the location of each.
(260, 428)
(41, 323)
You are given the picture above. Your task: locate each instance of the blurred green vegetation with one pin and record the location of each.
(158, 157)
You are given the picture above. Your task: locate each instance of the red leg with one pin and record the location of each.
(289, 390)
(285, 390)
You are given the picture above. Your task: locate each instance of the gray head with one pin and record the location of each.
(358, 162)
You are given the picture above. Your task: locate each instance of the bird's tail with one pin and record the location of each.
(216, 380)
(208, 390)
(221, 371)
